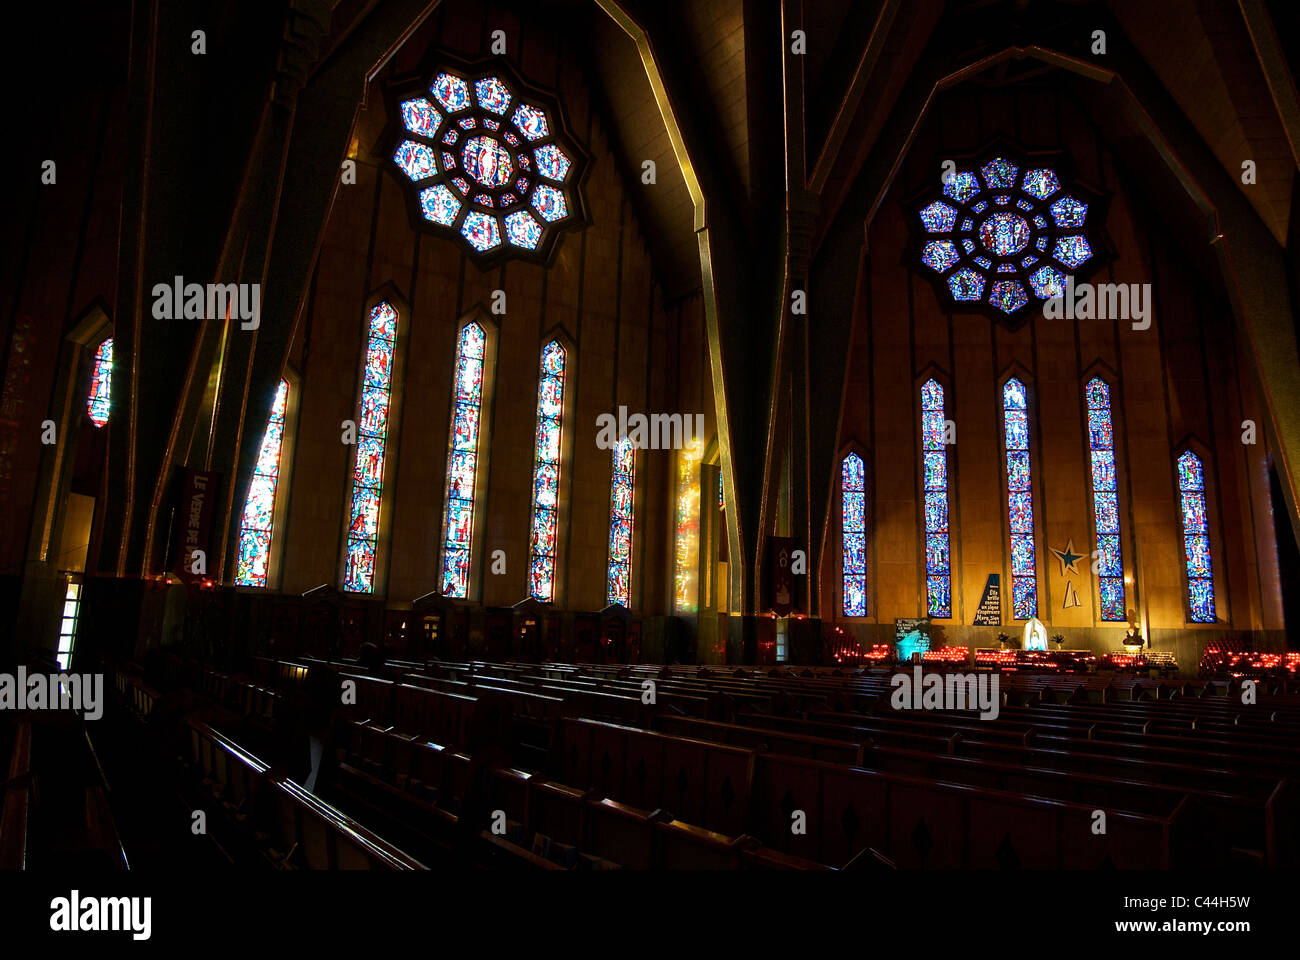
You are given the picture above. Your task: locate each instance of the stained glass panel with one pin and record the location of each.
(462, 467)
(546, 471)
(1020, 500)
(935, 463)
(686, 541)
(1105, 498)
(492, 94)
(1196, 539)
(101, 375)
(259, 508)
(420, 116)
(368, 467)
(622, 484)
(853, 504)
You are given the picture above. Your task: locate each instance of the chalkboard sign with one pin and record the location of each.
(911, 636)
(989, 613)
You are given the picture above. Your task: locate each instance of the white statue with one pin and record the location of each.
(1035, 635)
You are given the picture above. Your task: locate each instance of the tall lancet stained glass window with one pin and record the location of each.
(1196, 538)
(458, 524)
(1105, 500)
(101, 376)
(853, 503)
(259, 509)
(546, 473)
(1020, 500)
(619, 577)
(372, 434)
(938, 570)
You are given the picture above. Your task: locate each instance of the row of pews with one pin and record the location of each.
(556, 766)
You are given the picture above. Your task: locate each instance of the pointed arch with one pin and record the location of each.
(936, 495)
(1104, 479)
(376, 422)
(551, 445)
(853, 533)
(1198, 548)
(1019, 474)
(467, 455)
(262, 522)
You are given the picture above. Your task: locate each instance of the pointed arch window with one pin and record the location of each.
(622, 490)
(853, 505)
(1196, 538)
(546, 473)
(1105, 500)
(1020, 500)
(372, 435)
(463, 461)
(938, 564)
(255, 528)
(101, 376)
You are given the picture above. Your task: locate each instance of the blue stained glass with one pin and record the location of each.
(935, 466)
(968, 224)
(1024, 587)
(622, 485)
(1041, 243)
(1107, 510)
(1072, 250)
(1029, 261)
(1190, 474)
(1041, 182)
(1048, 282)
(1109, 560)
(853, 526)
(420, 116)
(936, 510)
(450, 91)
(546, 471)
(467, 123)
(1112, 598)
(932, 429)
(1007, 268)
(522, 230)
(487, 160)
(531, 121)
(462, 185)
(1201, 600)
(97, 404)
(369, 464)
(1025, 205)
(939, 595)
(1002, 199)
(1105, 498)
(492, 94)
(1000, 173)
(984, 262)
(1069, 212)
(464, 464)
(1004, 233)
(415, 159)
(1008, 295)
(979, 207)
(966, 284)
(484, 200)
(451, 136)
(936, 470)
(455, 569)
(938, 217)
(550, 203)
(1198, 555)
(962, 186)
(939, 255)
(552, 162)
(1021, 505)
(1194, 518)
(255, 530)
(481, 230)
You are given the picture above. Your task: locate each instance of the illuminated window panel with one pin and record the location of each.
(853, 503)
(686, 556)
(100, 383)
(1020, 500)
(1105, 500)
(934, 456)
(68, 624)
(259, 509)
(462, 465)
(372, 433)
(623, 487)
(546, 473)
(1196, 538)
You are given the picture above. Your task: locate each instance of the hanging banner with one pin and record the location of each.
(989, 613)
(781, 597)
(195, 503)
